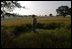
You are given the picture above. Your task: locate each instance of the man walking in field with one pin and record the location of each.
(34, 23)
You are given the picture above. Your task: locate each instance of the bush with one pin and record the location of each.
(40, 26)
(28, 27)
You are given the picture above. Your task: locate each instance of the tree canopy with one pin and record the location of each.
(9, 6)
(63, 10)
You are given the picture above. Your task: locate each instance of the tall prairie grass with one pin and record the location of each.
(52, 33)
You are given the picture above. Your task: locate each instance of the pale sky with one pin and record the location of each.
(40, 7)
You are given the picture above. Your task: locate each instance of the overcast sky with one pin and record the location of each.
(40, 7)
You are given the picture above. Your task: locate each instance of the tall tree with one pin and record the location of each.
(63, 10)
(9, 6)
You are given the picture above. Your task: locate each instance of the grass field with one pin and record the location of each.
(53, 32)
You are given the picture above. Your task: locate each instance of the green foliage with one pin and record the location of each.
(56, 38)
(45, 39)
(64, 10)
(53, 33)
(28, 27)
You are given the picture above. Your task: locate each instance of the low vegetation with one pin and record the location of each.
(51, 33)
